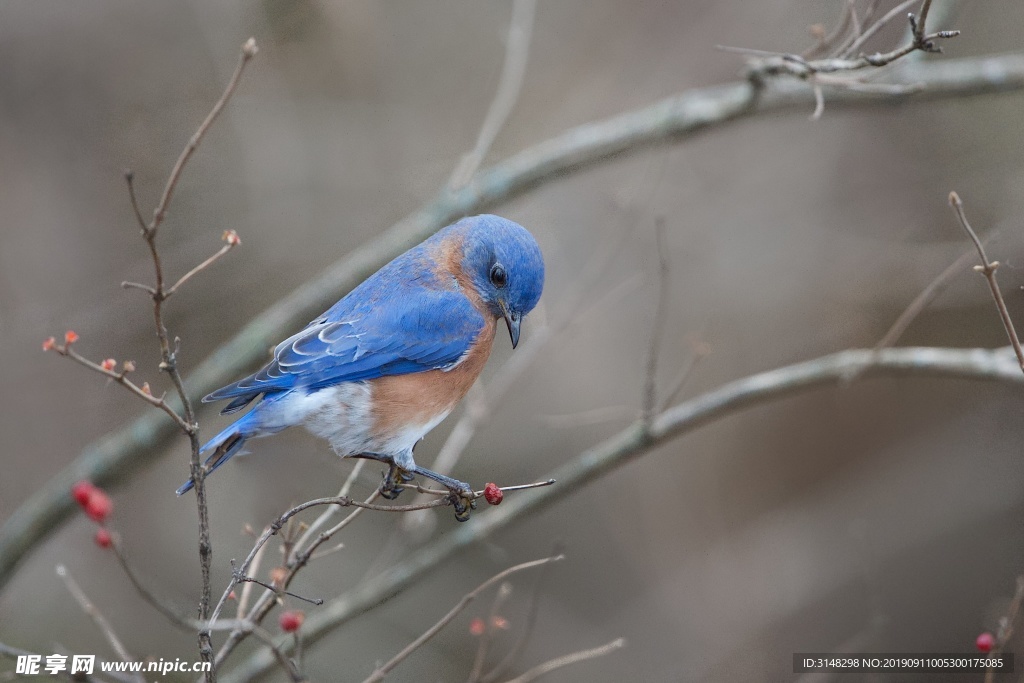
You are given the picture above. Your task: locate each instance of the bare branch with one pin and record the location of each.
(868, 34)
(249, 50)
(384, 670)
(290, 667)
(844, 60)
(517, 50)
(657, 325)
(988, 269)
(482, 648)
(129, 178)
(231, 241)
(528, 623)
(582, 656)
(96, 615)
(922, 300)
(68, 351)
(159, 604)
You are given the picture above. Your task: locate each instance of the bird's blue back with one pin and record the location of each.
(410, 316)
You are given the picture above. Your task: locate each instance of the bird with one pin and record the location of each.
(388, 362)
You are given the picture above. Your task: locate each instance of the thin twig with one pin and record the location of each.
(97, 617)
(68, 351)
(517, 50)
(129, 179)
(988, 269)
(698, 352)
(291, 668)
(922, 300)
(350, 480)
(384, 670)
(253, 567)
(825, 43)
(650, 398)
(487, 637)
(528, 623)
(157, 603)
(869, 33)
(241, 578)
(249, 50)
(231, 240)
(559, 662)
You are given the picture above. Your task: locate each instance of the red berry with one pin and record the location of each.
(82, 491)
(70, 337)
(99, 506)
(291, 621)
(103, 538)
(493, 494)
(477, 627)
(985, 642)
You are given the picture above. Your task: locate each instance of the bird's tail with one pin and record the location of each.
(224, 446)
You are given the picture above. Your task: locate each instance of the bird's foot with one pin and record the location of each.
(462, 503)
(391, 487)
(460, 494)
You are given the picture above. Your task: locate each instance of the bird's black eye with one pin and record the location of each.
(499, 278)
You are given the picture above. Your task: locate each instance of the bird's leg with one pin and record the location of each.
(393, 480)
(461, 493)
(392, 484)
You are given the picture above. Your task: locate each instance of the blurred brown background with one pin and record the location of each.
(887, 513)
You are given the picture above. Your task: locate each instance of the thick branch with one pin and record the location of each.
(638, 439)
(119, 455)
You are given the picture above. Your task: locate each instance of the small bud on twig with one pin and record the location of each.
(70, 337)
(145, 389)
(231, 237)
(109, 364)
(129, 366)
(49, 344)
(278, 575)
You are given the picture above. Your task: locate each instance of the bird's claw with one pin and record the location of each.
(463, 506)
(391, 487)
(463, 502)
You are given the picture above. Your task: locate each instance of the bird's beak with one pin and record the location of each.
(512, 319)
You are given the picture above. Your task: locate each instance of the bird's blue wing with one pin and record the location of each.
(412, 329)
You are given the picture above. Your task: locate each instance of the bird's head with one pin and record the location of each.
(505, 265)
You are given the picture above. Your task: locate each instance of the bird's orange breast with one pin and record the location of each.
(419, 398)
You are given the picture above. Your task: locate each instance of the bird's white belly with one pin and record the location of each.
(343, 415)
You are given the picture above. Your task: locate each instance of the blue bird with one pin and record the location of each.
(389, 361)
